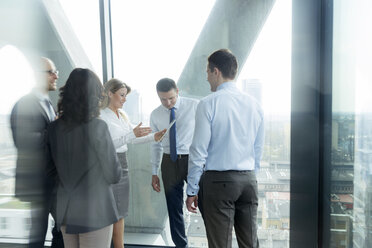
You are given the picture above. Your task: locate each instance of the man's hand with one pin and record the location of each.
(159, 135)
(141, 131)
(155, 183)
(189, 203)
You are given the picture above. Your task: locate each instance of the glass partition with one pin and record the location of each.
(83, 15)
(169, 39)
(34, 29)
(351, 224)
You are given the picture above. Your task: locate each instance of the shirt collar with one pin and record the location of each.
(176, 106)
(178, 102)
(108, 111)
(226, 85)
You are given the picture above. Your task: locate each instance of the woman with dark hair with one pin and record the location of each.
(122, 133)
(85, 163)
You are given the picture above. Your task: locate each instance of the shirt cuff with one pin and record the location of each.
(155, 171)
(191, 191)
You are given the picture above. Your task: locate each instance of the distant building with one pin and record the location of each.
(341, 230)
(362, 217)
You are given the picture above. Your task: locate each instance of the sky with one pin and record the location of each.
(168, 36)
(270, 60)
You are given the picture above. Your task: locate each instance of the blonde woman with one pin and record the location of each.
(122, 133)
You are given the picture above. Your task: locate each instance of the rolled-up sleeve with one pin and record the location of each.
(156, 148)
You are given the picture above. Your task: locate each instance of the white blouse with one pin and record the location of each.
(121, 130)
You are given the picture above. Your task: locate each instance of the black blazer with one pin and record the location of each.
(29, 121)
(86, 163)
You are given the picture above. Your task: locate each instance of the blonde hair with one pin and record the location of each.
(112, 86)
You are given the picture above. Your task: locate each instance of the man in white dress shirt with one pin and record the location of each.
(173, 152)
(226, 149)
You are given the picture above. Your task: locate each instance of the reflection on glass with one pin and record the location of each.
(84, 18)
(351, 193)
(12, 212)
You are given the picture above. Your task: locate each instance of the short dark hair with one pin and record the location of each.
(224, 61)
(80, 97)
(165, 85)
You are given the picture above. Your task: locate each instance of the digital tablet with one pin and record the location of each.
(169, 127)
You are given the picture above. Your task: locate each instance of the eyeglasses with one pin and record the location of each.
(51, 72)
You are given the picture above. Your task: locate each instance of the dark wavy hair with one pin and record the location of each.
(80, 97)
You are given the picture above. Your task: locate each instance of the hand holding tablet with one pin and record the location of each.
(166, 133)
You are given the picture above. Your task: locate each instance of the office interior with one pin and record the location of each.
(307, 62)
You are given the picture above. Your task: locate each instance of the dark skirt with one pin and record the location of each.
(121, 189)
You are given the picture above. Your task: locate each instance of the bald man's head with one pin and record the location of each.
(47, 75)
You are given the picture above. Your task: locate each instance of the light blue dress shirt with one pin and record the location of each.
(229, 134)
(185, 109)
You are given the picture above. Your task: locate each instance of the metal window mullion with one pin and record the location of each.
(106, 39)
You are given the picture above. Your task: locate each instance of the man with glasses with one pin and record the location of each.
(29, 119)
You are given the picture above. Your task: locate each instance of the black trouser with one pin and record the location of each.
(227, 199)
(41, 206)
(174, 175)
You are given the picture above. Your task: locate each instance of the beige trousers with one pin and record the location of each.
(97, 239)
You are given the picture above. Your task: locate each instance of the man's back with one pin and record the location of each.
(235, 128)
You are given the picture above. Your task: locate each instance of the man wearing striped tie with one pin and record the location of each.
(173, 152)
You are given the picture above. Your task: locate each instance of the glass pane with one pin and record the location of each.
(86, 28)
(34, 29)
(351, 222)
(267, 76)
(171, 39)
(12, 211)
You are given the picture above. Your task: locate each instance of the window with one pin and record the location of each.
(351, 125)
(86, 29)
(168, 39)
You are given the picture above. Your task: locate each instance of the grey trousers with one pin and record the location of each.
(229, 199)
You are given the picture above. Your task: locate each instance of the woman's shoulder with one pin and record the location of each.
(98, 122)
(104, 113)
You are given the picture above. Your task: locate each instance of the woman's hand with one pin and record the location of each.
(141, 131)
(159, 135)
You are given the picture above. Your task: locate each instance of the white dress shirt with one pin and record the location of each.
(229, 134)
(185, 109)
(121, 130)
